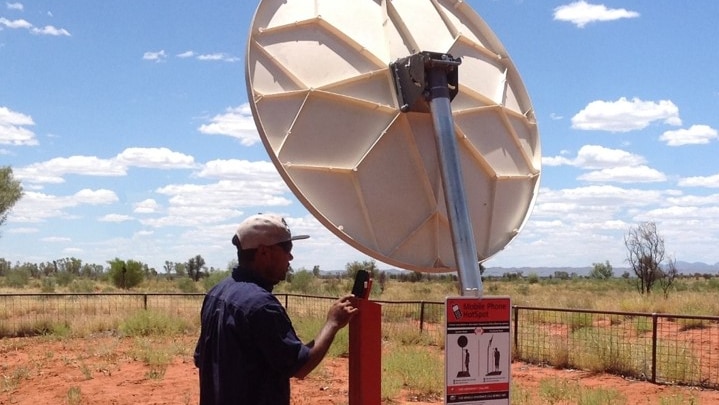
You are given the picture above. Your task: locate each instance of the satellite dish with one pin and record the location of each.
(326, 103)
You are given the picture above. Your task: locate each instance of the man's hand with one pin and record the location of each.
(342, 311)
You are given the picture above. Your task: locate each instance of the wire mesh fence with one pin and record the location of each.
(402, 319)
(33, 314)
(661, 348)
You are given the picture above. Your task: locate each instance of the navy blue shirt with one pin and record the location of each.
(248, 349)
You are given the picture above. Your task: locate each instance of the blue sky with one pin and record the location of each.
(129, 128)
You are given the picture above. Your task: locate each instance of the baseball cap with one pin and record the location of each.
(263, 230)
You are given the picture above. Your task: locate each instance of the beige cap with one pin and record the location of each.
(263, 230)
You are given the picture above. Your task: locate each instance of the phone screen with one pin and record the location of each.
(362, 283)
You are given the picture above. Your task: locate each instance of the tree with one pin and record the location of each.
(169, 268)
(602, 271)
(181, 269)
(69, 265)
(382, 281)
(126, 275)
(669, 274)
(195, 265)
(369, 265)
(645, 254)
(10, 192)
(91, 270)
(5, 267)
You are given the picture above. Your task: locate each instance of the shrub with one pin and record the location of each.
(17, 278)
(186, 285)
(302, 281)
(48, 285)
(214, 278)
(63, 278)
(126, 275)
(82, 285)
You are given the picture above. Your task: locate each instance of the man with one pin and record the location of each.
(248, 349)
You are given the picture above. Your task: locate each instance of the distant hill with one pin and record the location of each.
(683, 267)
(697, 267)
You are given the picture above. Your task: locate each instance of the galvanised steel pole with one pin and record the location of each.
(460, 223)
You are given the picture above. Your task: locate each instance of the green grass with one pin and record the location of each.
(561, 391)
(413, 369)
(151, 323)
(74, 396)
(156, 355)
(11, 379)
(554, 391)
(308, 327)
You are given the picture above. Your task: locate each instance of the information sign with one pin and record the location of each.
(477, 350)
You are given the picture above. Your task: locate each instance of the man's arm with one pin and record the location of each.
(338, 317)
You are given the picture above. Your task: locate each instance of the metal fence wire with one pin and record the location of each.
(661, 348)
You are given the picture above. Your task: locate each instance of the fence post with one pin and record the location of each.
(515, 320)
(654, 347)
(144, 299)
(421, 316)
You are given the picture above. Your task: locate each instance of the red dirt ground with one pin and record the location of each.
(112, 370)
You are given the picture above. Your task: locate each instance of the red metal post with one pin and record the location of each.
(365, 370)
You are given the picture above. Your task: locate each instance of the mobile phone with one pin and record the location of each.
(362, 284)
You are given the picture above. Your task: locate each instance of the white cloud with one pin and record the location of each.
(73, 251)
(625, 115)
(694, 135)
(23, 230)
(236, 122)
(609, 165)
(581, 13)
(14, 6)
(227, 194)
(626, 174)
(694, 200)
(602, 197)
(599, 157)
(239, 170)
(55, 239)
(94, 197)
(556, 161)
(36, 207)
(186, 54)
(148, 206)
(115, 218)
(51, 171)
(15, 24)
(24, 24)
(700, 181)
(158, 56)
(158, 158)
(206, 204)
(12, 128)
(218, 57)
(50, 30)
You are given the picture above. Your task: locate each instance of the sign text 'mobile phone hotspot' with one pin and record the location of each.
(477, 350)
